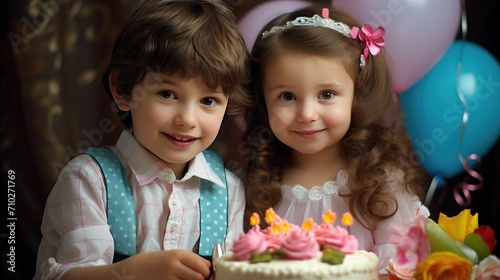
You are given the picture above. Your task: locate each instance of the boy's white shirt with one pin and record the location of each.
(74, 226)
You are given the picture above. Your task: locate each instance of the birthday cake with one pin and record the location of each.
(288, 251)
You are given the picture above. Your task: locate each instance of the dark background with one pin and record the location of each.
(51, 95)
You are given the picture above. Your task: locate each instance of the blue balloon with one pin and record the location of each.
(433, 110)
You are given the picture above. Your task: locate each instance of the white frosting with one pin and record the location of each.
(360, 265)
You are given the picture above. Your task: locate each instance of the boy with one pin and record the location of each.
(177, 67)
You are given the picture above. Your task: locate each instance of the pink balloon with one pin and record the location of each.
(253, 21)
(418, 32)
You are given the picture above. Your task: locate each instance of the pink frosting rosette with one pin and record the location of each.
(300, 245)
(336, 237)
(276, 231)
(273, 240)
(252, 242)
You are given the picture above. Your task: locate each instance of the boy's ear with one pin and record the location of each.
(121, 101)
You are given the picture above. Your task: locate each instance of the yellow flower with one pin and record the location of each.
(347, 219)
(460, 226)
(329, 217)
(308, 224)
(443, 265)
(276, 227)
(270, 216)
(286, 226)
(254, 219)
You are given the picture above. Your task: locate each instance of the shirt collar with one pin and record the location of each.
(199, 168)
(146, 168)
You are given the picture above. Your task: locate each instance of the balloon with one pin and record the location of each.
(418, 33)
(433, 110)
(253, 21)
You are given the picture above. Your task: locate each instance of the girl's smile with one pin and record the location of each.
(309, 134)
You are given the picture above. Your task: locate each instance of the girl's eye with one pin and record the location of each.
(166, 94)
(209, 101)
(326, 95)
(287, 96)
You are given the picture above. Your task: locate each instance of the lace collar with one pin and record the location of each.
(300, 193)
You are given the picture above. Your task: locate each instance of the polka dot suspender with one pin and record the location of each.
(121, 211)
(213, 207)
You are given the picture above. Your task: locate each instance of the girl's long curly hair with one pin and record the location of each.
(375, 145)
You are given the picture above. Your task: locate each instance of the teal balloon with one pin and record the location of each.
(433, 111)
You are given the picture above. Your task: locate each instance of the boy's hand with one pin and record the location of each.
(169, 265)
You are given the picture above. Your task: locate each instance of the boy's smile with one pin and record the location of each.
(181, 140)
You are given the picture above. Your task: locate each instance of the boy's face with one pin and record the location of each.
(176, 118)
(309, 101)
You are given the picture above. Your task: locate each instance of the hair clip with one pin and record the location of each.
(370, 40)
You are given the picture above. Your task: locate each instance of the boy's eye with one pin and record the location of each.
(326, 95)
(287, 96)
(167, 94)
(209, 101)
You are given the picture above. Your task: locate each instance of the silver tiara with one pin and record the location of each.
(316, 21)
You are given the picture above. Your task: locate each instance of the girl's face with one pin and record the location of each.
(309, 101)
(175, 118)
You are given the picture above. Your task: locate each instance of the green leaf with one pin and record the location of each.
(476, 243)
(327, 250)
(440, 241)
(264, 257)
(332, 259)
(278, 253)
(332, 256)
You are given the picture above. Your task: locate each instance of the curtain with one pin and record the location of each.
(53, 102)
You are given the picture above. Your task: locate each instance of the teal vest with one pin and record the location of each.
(121, 210)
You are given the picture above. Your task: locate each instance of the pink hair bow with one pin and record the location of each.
(369, 39)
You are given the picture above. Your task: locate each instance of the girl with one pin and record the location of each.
(326, 132)
(175, 69)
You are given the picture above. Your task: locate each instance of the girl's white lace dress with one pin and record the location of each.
(299, 203)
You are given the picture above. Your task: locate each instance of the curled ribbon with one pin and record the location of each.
(461, 192)
(473, 181)
(464, 188)
(370, 40)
